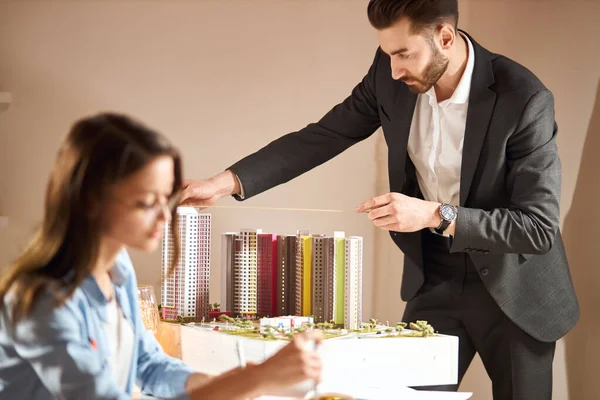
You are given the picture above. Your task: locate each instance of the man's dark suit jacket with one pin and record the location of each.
(508, 219)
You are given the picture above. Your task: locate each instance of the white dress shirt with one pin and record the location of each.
(436, 138)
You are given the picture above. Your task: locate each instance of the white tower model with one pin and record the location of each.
(185, 291)
(245, 270)
(353, 301)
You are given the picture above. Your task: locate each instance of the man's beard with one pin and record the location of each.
(433, 72)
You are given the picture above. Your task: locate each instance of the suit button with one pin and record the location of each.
(484, 271)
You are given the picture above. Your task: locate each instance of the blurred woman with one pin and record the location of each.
(70, 325)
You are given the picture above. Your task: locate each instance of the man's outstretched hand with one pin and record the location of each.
(205, 193)
(400, 213)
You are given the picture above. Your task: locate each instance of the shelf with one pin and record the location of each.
(5, 100)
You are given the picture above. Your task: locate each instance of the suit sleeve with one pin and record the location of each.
(531, 223)
(291, 155)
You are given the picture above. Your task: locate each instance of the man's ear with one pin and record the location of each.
(447, 36)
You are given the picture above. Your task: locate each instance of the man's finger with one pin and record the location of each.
(390, 227)
(386, 221)
(187, 202)
(373, 203)
(381, 212)
(186, 195)
(186, 183)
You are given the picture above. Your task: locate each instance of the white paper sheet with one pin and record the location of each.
(388, 392)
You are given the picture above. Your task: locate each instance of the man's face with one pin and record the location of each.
(416, 59)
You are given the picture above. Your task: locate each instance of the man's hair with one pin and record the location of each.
(423, 14)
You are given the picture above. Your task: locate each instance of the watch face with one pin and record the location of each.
(448, 212)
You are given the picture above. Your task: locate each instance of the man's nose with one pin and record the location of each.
(398, 72)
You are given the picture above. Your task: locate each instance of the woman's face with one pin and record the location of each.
(139, 206)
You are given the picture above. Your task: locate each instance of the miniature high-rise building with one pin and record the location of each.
(303, 273)
(228, 245)
(353, 287)
(184, 292)
(286, 275)
(245, 273)
(334, 278)
(266, 275)
(318, 266)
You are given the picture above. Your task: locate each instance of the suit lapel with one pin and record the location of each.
(481, 106)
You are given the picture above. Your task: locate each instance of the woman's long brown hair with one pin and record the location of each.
(98, 152)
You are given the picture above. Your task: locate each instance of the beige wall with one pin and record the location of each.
(219, 78)
(187, 69)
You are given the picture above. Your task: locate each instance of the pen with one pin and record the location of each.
(240, 353)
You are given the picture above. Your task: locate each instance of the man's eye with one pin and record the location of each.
(404, 56)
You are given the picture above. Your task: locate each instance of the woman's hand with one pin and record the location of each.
(295, 363)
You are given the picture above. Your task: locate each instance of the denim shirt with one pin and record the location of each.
(62, 353)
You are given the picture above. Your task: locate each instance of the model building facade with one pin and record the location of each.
(316, 275)
(353, 283)
(302, 281)
(185, 286)
(228, 248)
(245, 273)
(335, 278)
(285, 286)
(266, 302)
(318, 290)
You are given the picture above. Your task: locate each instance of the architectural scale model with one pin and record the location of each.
(268, 275)
(184, 292)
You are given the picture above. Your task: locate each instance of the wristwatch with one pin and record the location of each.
(448, 213)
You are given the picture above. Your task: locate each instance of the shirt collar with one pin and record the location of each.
(118, 275)
(462, 91)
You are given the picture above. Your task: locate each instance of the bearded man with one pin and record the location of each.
(475, 181)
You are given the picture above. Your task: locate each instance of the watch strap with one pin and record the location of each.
(442, 226)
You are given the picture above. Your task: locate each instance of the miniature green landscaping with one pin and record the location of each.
(249, 329)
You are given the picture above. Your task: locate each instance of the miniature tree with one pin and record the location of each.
(422, 327)
(400, 326)
(372, 325)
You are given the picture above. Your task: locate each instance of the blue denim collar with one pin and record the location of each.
(118, 275)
